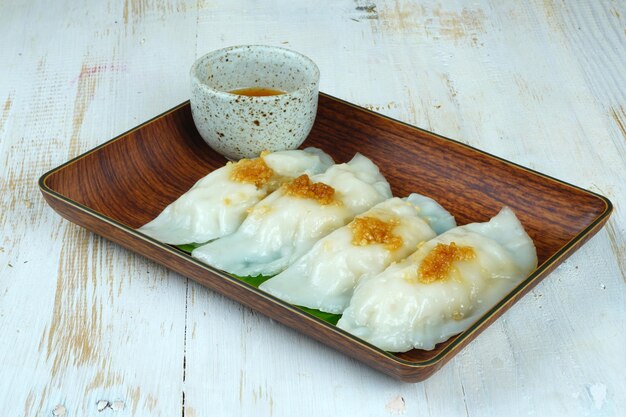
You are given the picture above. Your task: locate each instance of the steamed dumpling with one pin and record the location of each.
(445, 286)
(325, 277)
(285, 225)
(437, 217)
(218, 203)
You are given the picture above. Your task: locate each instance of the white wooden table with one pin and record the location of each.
(86, 325)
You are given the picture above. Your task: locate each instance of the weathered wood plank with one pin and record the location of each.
(82, 320)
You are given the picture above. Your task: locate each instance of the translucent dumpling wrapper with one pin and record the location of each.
(218, 203)
(325, 277)
(287, 223)
(438, 218)
(444, 287)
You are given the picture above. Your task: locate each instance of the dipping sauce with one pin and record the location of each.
(257, 92)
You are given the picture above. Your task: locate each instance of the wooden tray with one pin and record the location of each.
(122, 184)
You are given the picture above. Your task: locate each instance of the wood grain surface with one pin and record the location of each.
(126, 182)
(540, 83)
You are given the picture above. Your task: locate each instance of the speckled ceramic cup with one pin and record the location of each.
(239, 126)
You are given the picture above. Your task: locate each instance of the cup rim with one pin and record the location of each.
(205, 57)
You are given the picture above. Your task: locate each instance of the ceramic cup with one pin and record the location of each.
(239, 126)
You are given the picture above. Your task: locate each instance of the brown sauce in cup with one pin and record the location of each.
(257, 92)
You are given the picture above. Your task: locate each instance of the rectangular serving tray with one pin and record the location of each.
(127, 181)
